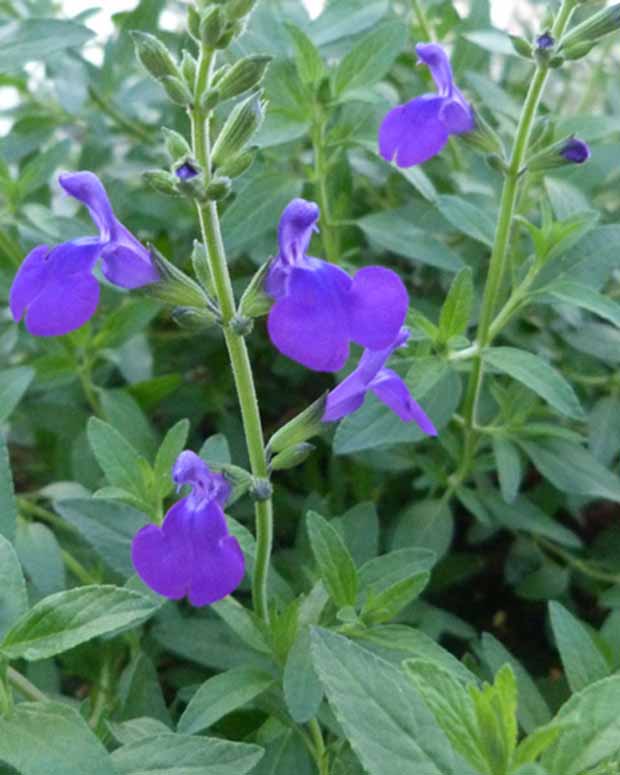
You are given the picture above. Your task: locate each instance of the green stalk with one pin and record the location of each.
(499, 252)
(237, 350)
(423, 22)
(24, 687)
(328, 233)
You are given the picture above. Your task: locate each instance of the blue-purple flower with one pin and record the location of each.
(415, 132)
(55, 288)
(576, 151)
(372, 375)
(192, 554)
(319, 309)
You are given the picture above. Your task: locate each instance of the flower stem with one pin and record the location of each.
(328, 232)
(237, 350)
(319, 751)
(24, 687)
(422, 20)
(499, 252)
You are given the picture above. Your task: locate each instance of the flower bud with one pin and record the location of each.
(245, 74)
(240, 125)
(154, 56)
(193, 23)
(240, 480)
(255, 302)
(200, 263)
(188, 69)
(291, 457)
(194, 318)
(177, 90)
(570, 150)
(483, 137)
(209, 100)
(307, 424)
(594, 27)
(218, 189)
(161, 181)
(212, 27)
(237, 9)
(578, 50)
(241, 325)
(175, 287)
(176, 145)
(521, 46)
(187, 170)
(545, 41)
(234, 168)
(261, 489)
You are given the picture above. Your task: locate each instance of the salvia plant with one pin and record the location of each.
(310, 405)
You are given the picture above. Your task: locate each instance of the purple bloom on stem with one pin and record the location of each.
(319, 309)
(192, 553)
(545, 41)
(55, 288)
(415, 132)
(186, 171)
(372, 375)
(576, 151)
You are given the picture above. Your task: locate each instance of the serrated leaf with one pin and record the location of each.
(61, 621)
(457, 307)
(538, 375)
(582, 661)
(334, 561)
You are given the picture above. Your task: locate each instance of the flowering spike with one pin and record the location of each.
(415, 132)
(192, 554)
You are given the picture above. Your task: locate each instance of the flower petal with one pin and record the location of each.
(87, 188)
(70, 294)
(390, 388)
(297, 223)
(436, 59)
(457, 115)
(310, 324)
(207, 485)
(413, 133)
(191, 554)
(29, 280)
(377, 306)
(128, 265)
(346, 398)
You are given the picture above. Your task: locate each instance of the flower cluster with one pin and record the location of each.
(55, 288)
(192, 554)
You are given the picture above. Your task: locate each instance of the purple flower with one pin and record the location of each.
(319, 308)
(186, 171)
(545, 41)
(55, 288)
(192, 553)
(372, 375)
(576, 151)
(415, 132)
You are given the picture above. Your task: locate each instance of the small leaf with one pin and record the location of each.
(536, 374)
(509, 468)
(302, 689)
(457, 307)
(310, 66)
(336, 565)
(122, 465)
(13, 595)
(13, 385)
(583, 662)
(171, 447)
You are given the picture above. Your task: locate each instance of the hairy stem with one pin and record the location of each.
(237, 350)
(499, 253)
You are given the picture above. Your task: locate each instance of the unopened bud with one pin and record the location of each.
(234, 168)
(255, 302)
(174, 286)
(245, 74)
(187, 170)
(522, 47)
(240, 125)
(177, 90)
(194, 318)
(193, 23)
(307, 424)
(212, 27)
(218, 189)
(570, 150)
(188, 68)
(578, 50)
(261, 489)
(209, 100)
(291, 457)
(545, 41)
(483, 137)
(176, 145)
(200, 263)
(595, 27)
(161, 181)
(237, 9)
(154, 56)
(241, 325)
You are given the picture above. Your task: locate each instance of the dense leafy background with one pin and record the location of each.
(409, 556)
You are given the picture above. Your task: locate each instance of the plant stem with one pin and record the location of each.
(499, 252)
(237, 350)
(24, 687)
(320, 756)
(575, 563)
(328, 234)
(423, 22)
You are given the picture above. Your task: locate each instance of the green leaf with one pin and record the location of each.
(457, 307)
(384, 606)
(8, 506)
(13, 595)
(370, 59)
(392, 230)
(604, 429)
(40, 554)
(496, 713)
(61, 621)
(51, 738)
(509, 468)
(310, 66)
(538, 375)
(41, 167)
(571, 468)
(38, 39)
(171, 447)
(123, 466)
(336, 565)
(136, 729)
(343, 18)
(302, 690)
(587, 298)
(382, 715)
(582, 661)
(380, 573)
(13, 385)
(221, 695)
(184, 755)
(593, 731)
(243, 622)
(532, 710)
(468, 219)
(139, 692)
(124, 414)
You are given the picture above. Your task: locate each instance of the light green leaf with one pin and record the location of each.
(122, 465)
(136, 729)
(51, 738)
(38, 39)
(457, 307)
(220, 695)
(41, 167)
(336, 565)
(302, 689)
(382, 572)
(243, 622)
(39, 552)
(594, 733)
(385, 605)
(171, 447)
(509, 468)
(582, 661)
(310, 66)
(370, 59)
(468, 219)
(8, 506)
(125, 414)
(61, 621)
(538, 375)
(587, 298)
(13, 385)
(383, 716)
(184, 755)
(571, 468)
(13, 595)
